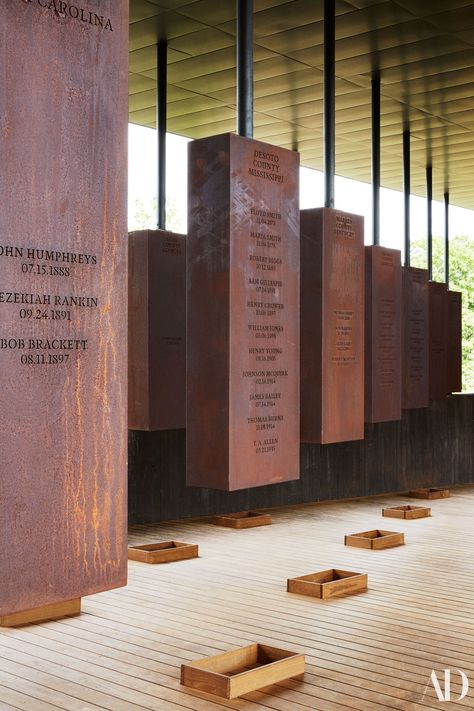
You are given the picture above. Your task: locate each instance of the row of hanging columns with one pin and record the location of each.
(245, 129)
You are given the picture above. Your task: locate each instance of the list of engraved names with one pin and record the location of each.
(265, 307)
(387, 341)
(416, 330)
(344, 255)
(42, 317)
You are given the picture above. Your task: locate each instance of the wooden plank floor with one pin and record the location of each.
(370, 652)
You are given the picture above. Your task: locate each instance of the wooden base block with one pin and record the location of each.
(375, 540)
(406, 512)
(55, 611)
(163, 552)
(242, 670)
(430, 493)
(243, 519)
(328, 584)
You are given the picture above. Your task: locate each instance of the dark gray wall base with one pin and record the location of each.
(426, 448)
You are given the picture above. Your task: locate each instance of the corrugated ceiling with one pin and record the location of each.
(424, 48)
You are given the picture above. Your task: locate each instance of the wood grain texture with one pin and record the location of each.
(63, 381)
(368, 652)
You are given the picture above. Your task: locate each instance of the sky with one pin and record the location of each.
(351, 196)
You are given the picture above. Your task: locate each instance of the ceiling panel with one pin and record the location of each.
(424, 50)
(288, 15)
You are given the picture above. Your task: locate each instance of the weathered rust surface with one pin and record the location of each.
(383, 337)
(63, 267)
(415, 323)
(332, 326)
(454, 341)
(438, 336)
(242, 321)
(157, 330)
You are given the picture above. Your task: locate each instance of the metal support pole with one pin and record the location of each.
(429, 202)
(245, 68)
(376, 158)
(406, 192)
(161, 117)
(446, 238)
(329, 101)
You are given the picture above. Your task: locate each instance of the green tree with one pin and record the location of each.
(461, 272)
(143, 216)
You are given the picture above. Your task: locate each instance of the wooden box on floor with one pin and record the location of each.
(406, 512)
(328, 584)
(243, 519)
(242, 670)
(163, 552)
(430, 493)
(375, 540)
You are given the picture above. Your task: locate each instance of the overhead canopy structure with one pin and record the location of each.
(423, 48)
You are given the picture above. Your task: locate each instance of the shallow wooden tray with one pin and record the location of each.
(406, 512)
(242, 670)
(163, 552)
(328, 584)
(431, 493)
(375, 540)
(243, 519)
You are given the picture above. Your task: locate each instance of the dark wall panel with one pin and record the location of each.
(427, 447)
